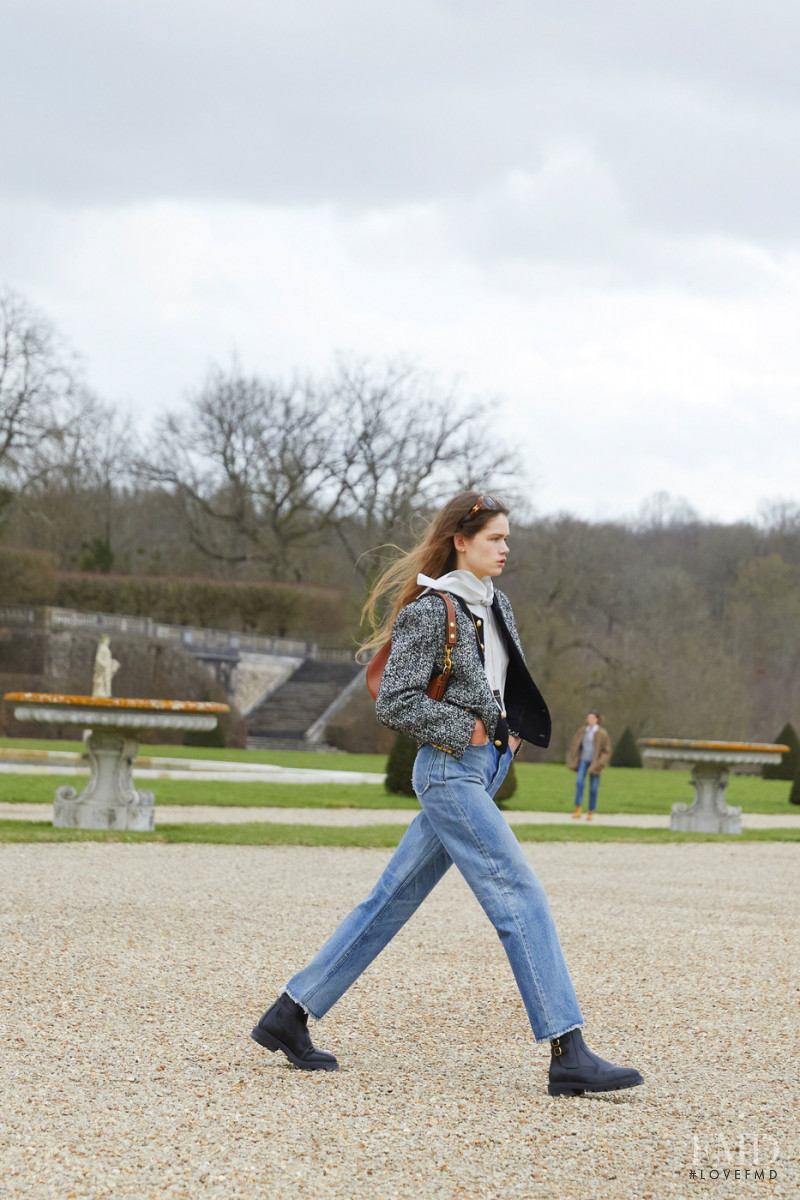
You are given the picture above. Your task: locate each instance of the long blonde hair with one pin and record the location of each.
(435, 555)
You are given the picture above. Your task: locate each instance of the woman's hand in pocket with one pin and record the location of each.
(479, 735)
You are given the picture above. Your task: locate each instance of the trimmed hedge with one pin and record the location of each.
(626, 752)
(794, 794)
(274, 609)
(507, 788)
(29, 577)
(399, 766)
(789, 765)
(26, 577)
(208, 738)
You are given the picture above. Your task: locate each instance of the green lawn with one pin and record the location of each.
(551, 787)
(39, 789)
(279, 758)
(542, 788)
(380, 836)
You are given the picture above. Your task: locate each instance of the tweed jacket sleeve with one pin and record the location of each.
(418, 639)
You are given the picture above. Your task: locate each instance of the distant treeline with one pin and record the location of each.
(676, 629)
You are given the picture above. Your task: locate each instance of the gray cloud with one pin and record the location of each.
(591, 209)
(691, 109)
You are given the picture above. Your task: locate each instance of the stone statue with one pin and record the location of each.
(105, 668)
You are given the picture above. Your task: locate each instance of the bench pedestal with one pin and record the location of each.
(112, 727)
(711, 763)
(709, 812)
(109, 800)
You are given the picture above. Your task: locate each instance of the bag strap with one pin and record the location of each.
(452, 633)
(438, 685)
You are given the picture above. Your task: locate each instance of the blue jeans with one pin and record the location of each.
(461, 824)
(580, 784)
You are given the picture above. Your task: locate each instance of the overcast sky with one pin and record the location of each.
(589, 210)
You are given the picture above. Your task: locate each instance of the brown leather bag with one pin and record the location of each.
(437, 686)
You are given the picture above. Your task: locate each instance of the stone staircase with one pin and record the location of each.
(284, 718)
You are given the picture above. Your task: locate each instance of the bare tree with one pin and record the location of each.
(406, 444)
(261, 469)
(661, 510)
(38, 386)
(76, 485)
(250, 464)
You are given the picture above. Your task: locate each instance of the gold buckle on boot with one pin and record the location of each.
(556, 1045)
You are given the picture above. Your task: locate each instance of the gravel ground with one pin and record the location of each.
(133, 973)
(177, 814)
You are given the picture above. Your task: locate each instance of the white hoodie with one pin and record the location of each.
(478, 594)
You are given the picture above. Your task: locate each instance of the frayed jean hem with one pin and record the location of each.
(304, 1007)
(541, 1040)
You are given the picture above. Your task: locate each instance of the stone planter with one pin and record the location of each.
(110, 800)
(710, 762)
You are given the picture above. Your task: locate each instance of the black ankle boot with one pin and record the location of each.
(285, 1027)
(575, 1069)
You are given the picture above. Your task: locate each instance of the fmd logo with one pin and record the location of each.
(745, 1153)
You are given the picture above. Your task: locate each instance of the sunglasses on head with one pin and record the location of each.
(484, 504)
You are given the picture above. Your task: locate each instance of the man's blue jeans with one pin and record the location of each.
(459, 823)
(580, 784)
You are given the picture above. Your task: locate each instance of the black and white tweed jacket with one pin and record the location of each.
(418, 641)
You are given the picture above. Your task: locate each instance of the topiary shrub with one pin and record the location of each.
(399, 766)
(789, 765)
(214, 738)
(507, 788)
(626, 752)
(794, 794)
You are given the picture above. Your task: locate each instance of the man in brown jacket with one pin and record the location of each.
(588, 754)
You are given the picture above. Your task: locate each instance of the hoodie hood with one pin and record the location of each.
(463, 584)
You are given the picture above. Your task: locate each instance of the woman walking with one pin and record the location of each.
(467, 740)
